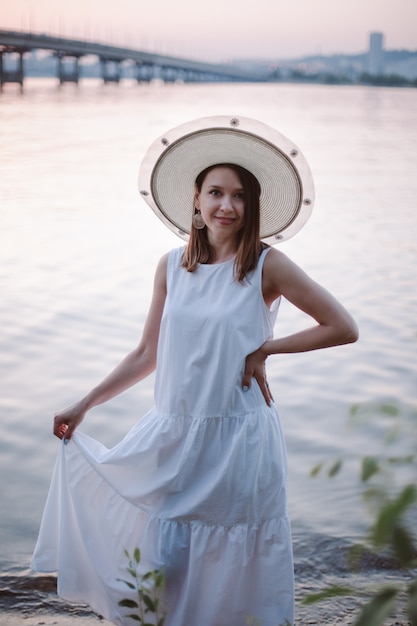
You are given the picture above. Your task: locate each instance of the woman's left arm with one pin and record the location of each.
(334, 325)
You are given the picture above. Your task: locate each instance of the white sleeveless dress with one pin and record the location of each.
(199, 484)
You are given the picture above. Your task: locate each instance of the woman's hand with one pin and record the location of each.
(67, 420)
(255, 368)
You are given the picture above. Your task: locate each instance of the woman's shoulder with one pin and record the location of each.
(278, 272)
(171, 256)
(176, 252)
(274, 259)
(170, 261)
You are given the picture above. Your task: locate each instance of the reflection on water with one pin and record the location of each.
(79, 247)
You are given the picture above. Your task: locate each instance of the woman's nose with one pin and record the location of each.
(226, 203)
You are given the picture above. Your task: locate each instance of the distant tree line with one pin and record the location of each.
(330, 78)
(388, 80)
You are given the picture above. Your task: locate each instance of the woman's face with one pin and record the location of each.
(221, 202)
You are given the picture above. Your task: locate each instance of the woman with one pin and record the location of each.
(199, 484)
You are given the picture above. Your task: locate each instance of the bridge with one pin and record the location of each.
(113, 60)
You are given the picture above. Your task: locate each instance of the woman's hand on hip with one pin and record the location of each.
(255, 368)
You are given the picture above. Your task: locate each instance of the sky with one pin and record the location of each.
(221, 30)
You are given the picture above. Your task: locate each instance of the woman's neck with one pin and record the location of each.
(222, 251)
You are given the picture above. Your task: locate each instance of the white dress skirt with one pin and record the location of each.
(200, 482)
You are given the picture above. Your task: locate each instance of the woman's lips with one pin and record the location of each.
(225, 221)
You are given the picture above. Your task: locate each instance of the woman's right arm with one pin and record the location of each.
(135, 366)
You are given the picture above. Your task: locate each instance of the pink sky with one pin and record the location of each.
(216, 30)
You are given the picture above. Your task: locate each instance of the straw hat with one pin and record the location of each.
(172, 163)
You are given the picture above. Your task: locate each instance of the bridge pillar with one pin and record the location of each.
(12, 76)
(144, 72)
(192, 76)
(65, 75)
(167, 74)
(109, 76)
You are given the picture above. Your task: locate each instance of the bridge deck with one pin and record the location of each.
(12, 41)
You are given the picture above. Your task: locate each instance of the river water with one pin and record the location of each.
(78, 250)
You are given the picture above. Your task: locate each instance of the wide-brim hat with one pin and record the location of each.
(169, 169)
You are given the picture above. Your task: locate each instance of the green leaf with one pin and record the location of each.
(329, 592)
(335, 468)
(410, 458)
(378, 609)
(389, 409)
(129, 604)
(370, 467)
(412, 602)
(132, 571)
(390, 515)
(316, 470)
(160, 579)
(126, 582)
(150, 605)
(354, 409)
(136, 555)
(403, 545)
(134, 616)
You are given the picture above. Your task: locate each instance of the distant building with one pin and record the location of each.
(376, 54)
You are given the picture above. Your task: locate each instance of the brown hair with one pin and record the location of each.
(249, 245)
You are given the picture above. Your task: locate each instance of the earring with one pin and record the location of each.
(198, 221)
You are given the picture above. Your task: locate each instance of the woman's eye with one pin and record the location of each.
(214, 192)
